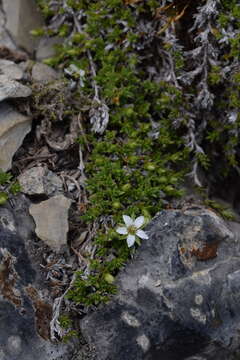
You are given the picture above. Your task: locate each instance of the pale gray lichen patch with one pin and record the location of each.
(130, 319)
(144, 280)
(213, 313)
(202, 277)
(144, 342)
(7, 223)
(199, 299)
(198, 315)
(14, 345)
(2, 355)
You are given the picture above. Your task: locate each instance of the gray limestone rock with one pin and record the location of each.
(51, 218)
(11, 70)
(22, 16)
(13, 129)
(39, 180)
(179, 298)
(25, 312)
(5, 39)
(46, 49)
(43, 73)
(12, 89)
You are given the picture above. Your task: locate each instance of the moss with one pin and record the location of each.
(8, 186)
(93, 290)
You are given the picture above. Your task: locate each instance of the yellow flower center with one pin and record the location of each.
(132, 229)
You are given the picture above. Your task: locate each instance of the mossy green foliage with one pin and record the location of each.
(129, 172)
(8, 186)
(137, 165)
(223, 210)
(52, 101)
(225, 136)
(67, 324)
(92, 290)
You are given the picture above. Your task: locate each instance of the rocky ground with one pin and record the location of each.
(38, 261)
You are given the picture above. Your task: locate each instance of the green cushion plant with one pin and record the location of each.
(158, 102)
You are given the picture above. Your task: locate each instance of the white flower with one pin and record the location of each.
(132, 229)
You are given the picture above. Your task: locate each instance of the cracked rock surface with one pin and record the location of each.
(5, 38)
(25, 309)
(179, 298)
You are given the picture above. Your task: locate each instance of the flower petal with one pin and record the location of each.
(122, 230)
(139, 221)
(128, 221)
(130, 240)
(141, 234)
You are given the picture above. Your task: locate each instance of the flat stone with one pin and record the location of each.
(11, 70)
(13, 129)
(178, 298)
(25, 307)
(22, 17)
(51, 218)
(43, 73)
(12, 89)
(39, 180)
